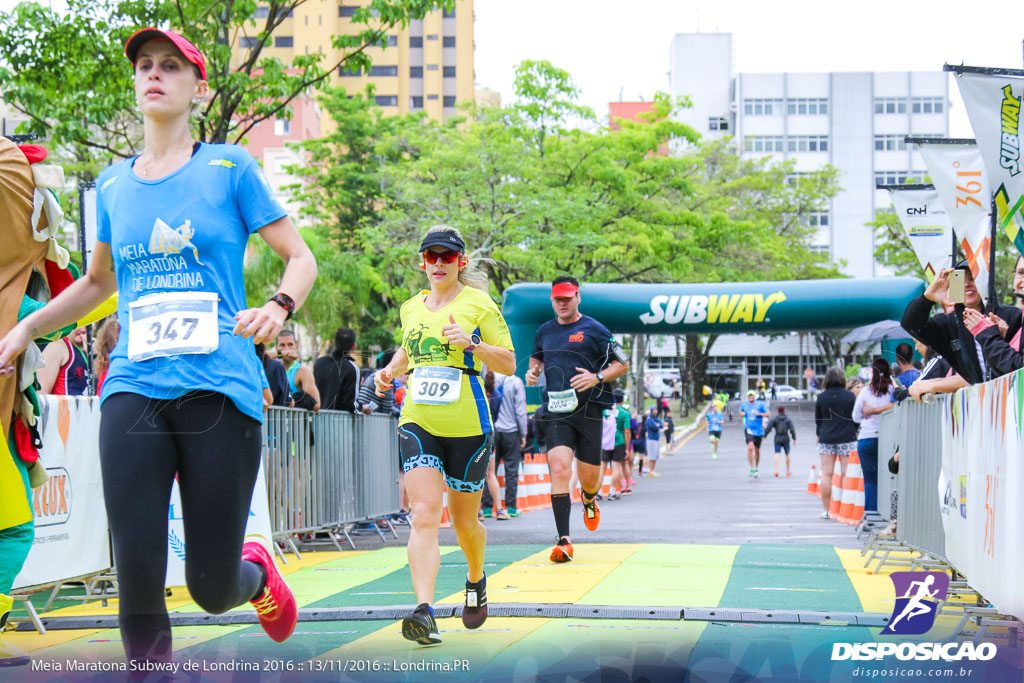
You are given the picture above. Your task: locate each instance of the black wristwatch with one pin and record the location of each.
(600, 377)
(285, 302)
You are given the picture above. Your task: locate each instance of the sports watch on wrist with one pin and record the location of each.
(474, 341)
(285, 302)
(600, 377)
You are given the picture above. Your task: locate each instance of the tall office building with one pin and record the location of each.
(428, 65)
(855, 121)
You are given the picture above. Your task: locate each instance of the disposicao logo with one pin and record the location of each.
(917, 601)
(735, 308)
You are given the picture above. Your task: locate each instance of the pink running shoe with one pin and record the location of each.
(276, 607)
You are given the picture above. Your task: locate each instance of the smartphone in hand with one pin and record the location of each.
(956, 287)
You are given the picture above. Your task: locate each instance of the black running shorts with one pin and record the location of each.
(617, 454)
(461, 459)
(756, 440)
(580, 430)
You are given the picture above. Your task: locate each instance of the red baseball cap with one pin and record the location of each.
(189, 51)
(564, 289)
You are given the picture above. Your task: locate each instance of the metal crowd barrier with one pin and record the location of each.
(327, 471)
(889, 437)
(920, 439)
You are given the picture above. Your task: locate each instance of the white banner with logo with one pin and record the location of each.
(993, 104)
(958, 173)
(981, 489)
(70, 519)
(257, 528)
(927, 226)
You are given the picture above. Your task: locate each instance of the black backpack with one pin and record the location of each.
(495, 402)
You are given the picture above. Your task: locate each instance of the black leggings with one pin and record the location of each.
(215, 451)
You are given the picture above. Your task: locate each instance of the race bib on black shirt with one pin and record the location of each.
(586, 344)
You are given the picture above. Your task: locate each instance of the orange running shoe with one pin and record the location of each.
(276, 606)
(562, 552)
(591, 515)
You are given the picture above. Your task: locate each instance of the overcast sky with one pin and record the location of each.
(622, 46)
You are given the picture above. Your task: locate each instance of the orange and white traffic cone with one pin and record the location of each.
(853, 502)
(837, 495)
(812, 484)
(606, 482)
(446, 522)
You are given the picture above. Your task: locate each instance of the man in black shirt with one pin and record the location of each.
(336, 374)
(579, 359)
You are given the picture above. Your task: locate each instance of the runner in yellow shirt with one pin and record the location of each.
(448, 333)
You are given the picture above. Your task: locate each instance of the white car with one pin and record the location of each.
(659, 388)
(787, 393)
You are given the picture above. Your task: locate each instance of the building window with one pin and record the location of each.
(763, 143)
(433, 37)
(349, 71)
(818, 219)
(392, 41)
(386, 100)
(281, 164)
(282, 127)
(415, 41)
(416, 102)
(383, 70)
(899, 177)
(431, 97)
(804, 105)
(793, 179)
(347, 11)
(717, 123)
(927, 105)
(449, 41)
(262, 13)
(448, 13)
(415, 72)
(890, 105)
(449, 72)
(890, 143)
(762, 107)
(284, 41)
(431, 67)
(249, 41)
(807, 143)
(449, 101)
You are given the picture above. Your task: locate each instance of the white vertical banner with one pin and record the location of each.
(256, 529)
(993, 102)
(927, 226)
(958, 173)
(71, 536)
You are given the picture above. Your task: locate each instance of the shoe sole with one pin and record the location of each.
(474, 619)
(418, 632)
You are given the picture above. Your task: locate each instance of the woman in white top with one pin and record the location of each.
(873, 400)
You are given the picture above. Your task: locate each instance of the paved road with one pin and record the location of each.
(700, 500)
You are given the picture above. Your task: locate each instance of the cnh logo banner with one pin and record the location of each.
(917, 601)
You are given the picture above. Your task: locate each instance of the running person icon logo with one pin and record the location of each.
(918, 595)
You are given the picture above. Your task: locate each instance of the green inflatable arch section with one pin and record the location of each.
(759, 307)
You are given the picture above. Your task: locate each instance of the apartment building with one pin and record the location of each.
(855, 121)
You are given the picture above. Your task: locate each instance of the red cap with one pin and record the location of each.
(188, 50)
(564, 289)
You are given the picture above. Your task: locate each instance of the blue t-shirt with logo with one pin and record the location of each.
(754, 424)
(585, 343)
(186, 232)
(715, 420)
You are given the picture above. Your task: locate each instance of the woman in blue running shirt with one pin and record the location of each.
(182, 395)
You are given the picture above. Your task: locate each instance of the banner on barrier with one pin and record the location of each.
(70, 519)
(257, 528)
(981, 487)
(927, 226)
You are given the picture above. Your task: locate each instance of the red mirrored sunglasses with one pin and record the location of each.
(444, 256)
